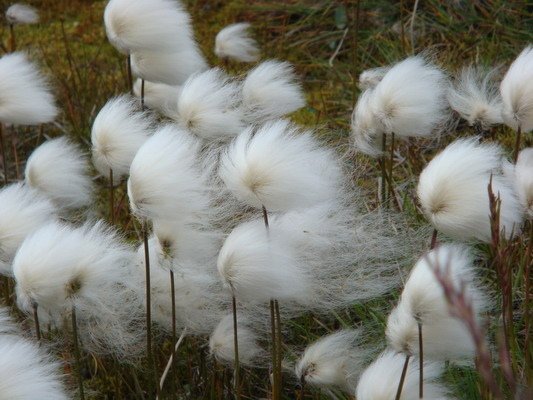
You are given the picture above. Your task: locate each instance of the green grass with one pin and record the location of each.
(71, 45)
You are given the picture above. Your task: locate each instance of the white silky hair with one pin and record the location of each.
(280, 167)
(89, 268)
(199, 299)
(222, 345)
(118, 131)
(171, 68)
(165, 180)
(368, 79)
(380, 380)
(516, 89)
(423, 300)
(334, 360)
(208, 106)
(453, 191)
(22, 211)
(476, 98)
(523, 174)
(364, 126)
(270, 91)
(141, 25)
(25, 96)
(410, 100)
(235, 42)
(7, 326)
(29, 372)
(60, 170)
(160, 97)
(21, 14)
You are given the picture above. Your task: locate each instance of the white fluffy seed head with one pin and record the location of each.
(171, 68)
(516, 89)
(524, 179)
(158, 96)
(364, 126)
(336, 360)
(280, 168)
(147, 25)
(25, 97)
(22, 211)
(165, 180)
(221, 343)
(270, 91)
(380, 380)
(371, 77)
(28, 372)
(234, 42)
(410, 100)
(118, 131)
(59, 267)
(208, 106)
(59, 169)
(453, 191)
(19, 14)
(476, 98)
(257, 265)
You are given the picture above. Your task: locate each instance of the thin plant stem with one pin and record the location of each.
(142, 94)
(391, 165)
(111, 198)
(236, 349)
(36, 321)
(421, 361)
(265, 216)
(130, 76)
(412, 26)
(77, 352)
(517, 143)
(174, 328)
(175, 347)
(274, 353)
(402, 377)
(383, 170)
(4, 158)
(12, 39)
(279, 356)
(433, 239)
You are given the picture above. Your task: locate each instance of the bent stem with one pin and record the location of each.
(36, 321)
(111, 198)
(421, 360)
(402, 378)
(171, 360)
(236, 349)
(77, 352)
(517, 143)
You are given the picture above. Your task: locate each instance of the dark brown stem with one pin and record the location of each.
(77, 352)
(236, 349)
(421, 361)
(517, 143)
(402, 378)
(130, 76)
(433, 239)
(36, 321)
(111, 198)
(174, 328)
(12, 40)
(274, 353)
(265, 216)
(383, 170)
(142, 94)
(391, 165)
(4, 159)
(279, 350)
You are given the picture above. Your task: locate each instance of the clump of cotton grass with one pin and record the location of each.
(58, 168)
(208, 106)
(222, 347)
(475, 97)
(234, 42)
(87, 270)
(270, 91)
(160, 97)
(335, 360)
(364, 128)
(22, 211)
(453, 191)
(516, 89)
(523, 173)
(28, 372)
(25, 96)
(280, 168)
(21, 14)
(369, 78)
(171, 68)
(118, 131)
(380, 380)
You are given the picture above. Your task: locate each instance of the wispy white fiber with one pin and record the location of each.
(221, 343)
(380, 380)
(410, 100)
(208, 106)
(59, 169)
(158, 96)
(22, 211)
(333, 360)
(453, 191)
(280, 168)
(524, 179)
(235, 42)
(7, 326)
(118, 131)
(18, 14)
(25, 96)
(365, 130)
(270, 91)
(371, 77)
(516, 89)
(476, 98)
